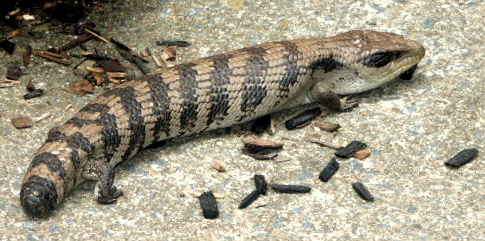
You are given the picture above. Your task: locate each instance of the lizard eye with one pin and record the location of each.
(381, 59)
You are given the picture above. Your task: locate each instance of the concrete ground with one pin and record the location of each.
(412, 127)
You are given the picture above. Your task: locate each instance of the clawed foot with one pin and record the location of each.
(347, 104)
(108, 196)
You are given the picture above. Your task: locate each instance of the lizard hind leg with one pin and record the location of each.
(102, 172)
(330, 99)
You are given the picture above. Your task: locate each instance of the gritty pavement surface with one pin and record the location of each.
(411, 127)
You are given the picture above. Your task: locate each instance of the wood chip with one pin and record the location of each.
(331, 168)
(22, 122)
(26, 55)
(208, 203)
(9, 83)
(362, 154)
(249, 199)
(13, 72)
(362, 191)
(169, 53)
(219, 167)
(81, 87)
(95, 69)
(33, 94)
(255, 145)
(96, 79)
(327, 126)
(30, 86)
(302, 119)
(350, 149)
(462, 158)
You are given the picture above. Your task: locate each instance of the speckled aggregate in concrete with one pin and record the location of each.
(411, 127)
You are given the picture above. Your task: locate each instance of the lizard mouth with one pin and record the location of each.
(37, 197)
(408, 74)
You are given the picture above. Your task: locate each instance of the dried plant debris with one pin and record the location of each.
(178, 43)
(350, 149)
(261, 125)
(13, 72)
(22, 122)
(249, 199)
(26, 55)
(169, 53)
(120, 45)
(51, 56)
(257, 148)
(33, 94)
(362, 154)
(8, 46)
(9, 83)
(260, 184)
(81, 87)
(290, 188)
(327, 126)
(219, 167)
(208, 203)
(362, 191)
(303, 118)
(261, 189)
(255, 145)
(327, 172)
(462, 158)
(30, 86)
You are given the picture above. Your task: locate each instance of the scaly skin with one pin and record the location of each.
(202, 95)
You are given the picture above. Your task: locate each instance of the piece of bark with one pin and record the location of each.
(362, 191)
(81, 87)
(208, 203)
(462, 158)
(254, 145)
(350, 149)
(13, 72)
(22, 122)
(327, 172)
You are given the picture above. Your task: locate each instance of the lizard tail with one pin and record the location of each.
(49, 177)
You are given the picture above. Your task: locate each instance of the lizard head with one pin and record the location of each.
(369, 59)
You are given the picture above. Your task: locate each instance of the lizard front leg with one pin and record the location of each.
(330, 99)
(102, 172)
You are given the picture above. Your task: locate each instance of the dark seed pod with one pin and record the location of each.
(360, 189)
(261, 184)
(250, 198)
(290, 188)
(208, 203)
(33, 94)
(178, 43)
(462, 158)
(303, 118)
(331, 168)
(350, 149)
(261, 124)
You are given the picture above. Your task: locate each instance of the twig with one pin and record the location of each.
(96, 35)
(326, 144)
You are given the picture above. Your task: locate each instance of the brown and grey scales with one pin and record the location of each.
(202, 95)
